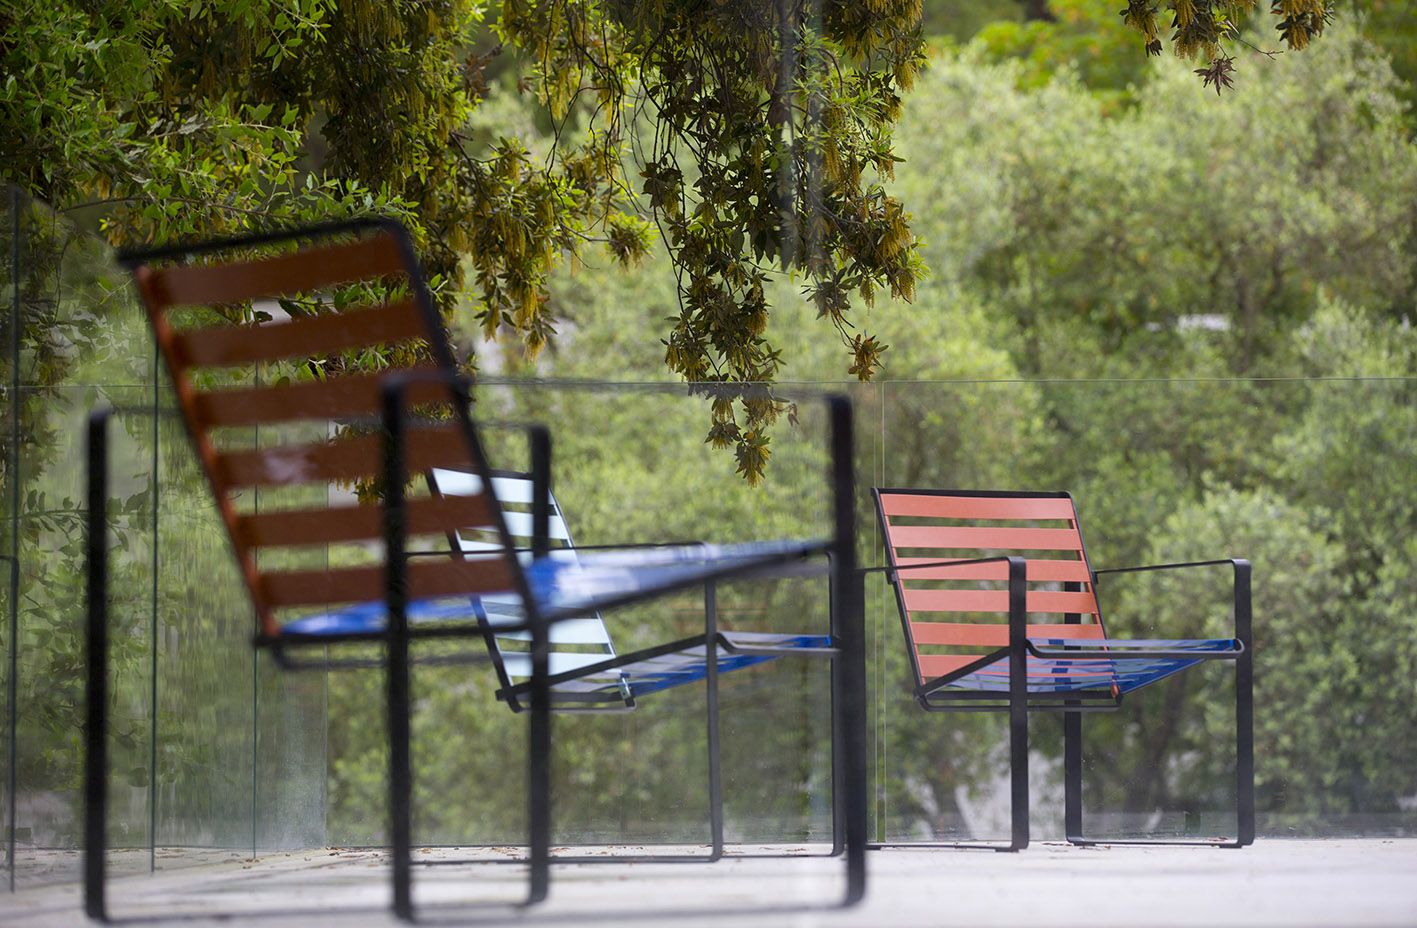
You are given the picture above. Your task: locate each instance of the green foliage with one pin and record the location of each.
(771, 127)
(960, 20)
(1391, 24)
(1142, 232)
(1188, 238)
(1327, 715)
(1079, 252)
(768, 126)
(1200, 28)
(179, 121)
(1085, 36)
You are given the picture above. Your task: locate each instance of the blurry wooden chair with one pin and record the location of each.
(347, 377)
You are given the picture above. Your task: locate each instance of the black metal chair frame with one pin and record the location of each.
(712, 641)
(1019, 702)
(848, 595)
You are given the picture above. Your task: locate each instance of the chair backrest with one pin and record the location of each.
(954, 614)
(575, 642)
(283, 407)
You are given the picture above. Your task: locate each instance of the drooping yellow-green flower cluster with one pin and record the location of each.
(769, 141)
(1200, 28)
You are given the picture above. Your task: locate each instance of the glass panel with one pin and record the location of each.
(640, 475)
(290, 786)
(10, 214)
(205, 670)
(643, 473)
(130, 624)
(1309, 479)
(76, 330)
(217, 753)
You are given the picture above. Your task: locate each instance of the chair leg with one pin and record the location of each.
(539, 759)
(1244, 759)
(1018, 707)
(400, 776)
(539, 732)
(1245, 747)
(838, 755)
(1244, 707)
(1072, 777)
(715, 765)
(851, 728)
(849, 591)
(96, 728)
(1018, 774)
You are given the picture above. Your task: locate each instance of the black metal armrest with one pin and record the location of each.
(771, 650)
(1176, 566)
(1116, 650)
(952, 562)
(1244, 614)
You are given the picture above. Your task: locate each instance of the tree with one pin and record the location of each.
(181, 120)
(769, 141)
(1106, 234)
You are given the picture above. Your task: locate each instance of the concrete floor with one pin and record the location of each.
(1290, 883)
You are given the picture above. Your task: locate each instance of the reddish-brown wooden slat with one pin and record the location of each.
(311, 336)
(318, 399)
(937, 665)
(310, 269)
(977, 507)
(358, 523)
(976, 634)
(343, 460)
(364, 584)
(978, 537)
(1039, 570)
(996, 601)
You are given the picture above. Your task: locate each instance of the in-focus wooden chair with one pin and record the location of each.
(351, 381)
(999, 608)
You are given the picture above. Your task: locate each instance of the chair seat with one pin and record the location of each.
(1050, 670)
(674, 668)
(566, 587)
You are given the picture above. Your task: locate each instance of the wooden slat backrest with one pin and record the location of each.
(320, 392)
(951, 613)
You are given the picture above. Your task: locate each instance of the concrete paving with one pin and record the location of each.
(1290, 883)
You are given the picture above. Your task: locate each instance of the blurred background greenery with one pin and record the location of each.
(1192, 311)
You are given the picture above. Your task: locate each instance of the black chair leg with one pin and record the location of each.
(400, 776)
(96, 728)
(849, 593)
(715, 762)
(1018, 775)
(1018, 707)
(1244, 708)
(838, 755)
(1072, 776)
(539, 733)
(539, 775)
(399, 706)
(855, 762)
